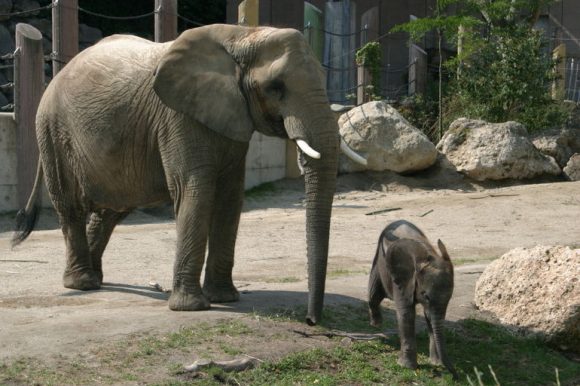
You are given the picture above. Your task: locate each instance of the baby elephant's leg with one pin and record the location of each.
(376, 296)
(405, 308)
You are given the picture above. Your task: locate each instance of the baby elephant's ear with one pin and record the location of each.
(443, 250)
(198, 77)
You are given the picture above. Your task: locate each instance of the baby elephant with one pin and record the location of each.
(408, 270)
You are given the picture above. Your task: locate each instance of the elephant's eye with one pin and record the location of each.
(275, 89)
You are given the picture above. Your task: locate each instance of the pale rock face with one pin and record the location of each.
(537, 291)
(559, 143)
(572, 168)
(389, 142)
(494, 151)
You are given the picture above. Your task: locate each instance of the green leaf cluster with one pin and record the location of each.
(369, 56)
(507, 76)
(504, 69)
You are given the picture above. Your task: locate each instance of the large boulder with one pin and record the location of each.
(558, 143)
(537, 291)
(389, 142)
(572, 168)
(494, 151)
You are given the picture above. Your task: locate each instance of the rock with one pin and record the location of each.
(5, 8)
(388, 141)
(494, 151)
(536, 291)
(559, 144)
(572, 168)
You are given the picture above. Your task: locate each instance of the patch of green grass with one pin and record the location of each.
(286, 279)
(344, 272)
(262, 190)
(159, 359)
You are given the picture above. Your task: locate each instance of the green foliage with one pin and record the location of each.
(369, 56)
(502, 73)
(506, 76)
(441, 21)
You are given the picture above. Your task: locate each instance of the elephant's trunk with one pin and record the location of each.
(437, 324)
(320, 184)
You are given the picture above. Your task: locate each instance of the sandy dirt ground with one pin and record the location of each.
(40, 318)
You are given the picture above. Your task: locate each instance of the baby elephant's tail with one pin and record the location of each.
(26, 218)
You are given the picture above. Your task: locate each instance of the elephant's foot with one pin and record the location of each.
(184, 301)
(221, 293)
(82, 280)
(435, 360)
(407, 361)
(376, 317)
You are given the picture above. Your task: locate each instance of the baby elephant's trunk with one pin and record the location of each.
(440, 346)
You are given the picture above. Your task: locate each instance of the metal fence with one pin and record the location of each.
(572, 82)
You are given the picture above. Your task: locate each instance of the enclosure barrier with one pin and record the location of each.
(29, 78)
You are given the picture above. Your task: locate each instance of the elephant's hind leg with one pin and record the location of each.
(99, 232)
(79, 273)
(376, 296)
(66, 197)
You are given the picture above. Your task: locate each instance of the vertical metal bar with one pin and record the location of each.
(569, 74)
(576, 91)
(28, 89)
(165, 20)
(65, 32)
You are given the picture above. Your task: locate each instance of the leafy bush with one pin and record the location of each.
(506, 77)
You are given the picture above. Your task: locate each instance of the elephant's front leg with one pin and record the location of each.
(194, 205)
(218, 285)
(406, 323)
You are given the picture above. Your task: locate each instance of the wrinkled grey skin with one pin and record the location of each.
(408, 270)
(131, 123)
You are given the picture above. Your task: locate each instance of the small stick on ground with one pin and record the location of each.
(239, 364)
(353, 336)
(492, 195)
(426, 213)
(382, 211)
(157, 287)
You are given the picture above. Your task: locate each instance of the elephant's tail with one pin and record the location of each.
(26, 218)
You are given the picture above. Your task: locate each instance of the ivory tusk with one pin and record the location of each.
(351, 153)
(307, 149)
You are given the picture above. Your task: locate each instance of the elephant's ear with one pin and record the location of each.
(443, 250)
(199, 78)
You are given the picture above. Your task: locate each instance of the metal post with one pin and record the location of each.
(28, 89)
(65, 32)
(165, 20)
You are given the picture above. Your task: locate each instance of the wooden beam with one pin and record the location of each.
(65, 32)
(28, 89)
(165, 20)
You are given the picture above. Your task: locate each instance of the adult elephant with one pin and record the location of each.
(131, 123)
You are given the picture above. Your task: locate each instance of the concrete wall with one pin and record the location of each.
(266, 160)
(8, 164)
